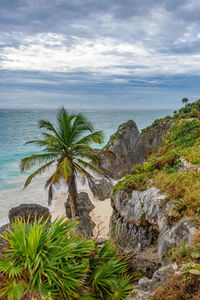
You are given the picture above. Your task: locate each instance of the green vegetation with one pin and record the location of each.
(183, 133)
(136, 180)
(186, 284)
(190, 110)
(67, 147)
(185, 100)
(49, 261)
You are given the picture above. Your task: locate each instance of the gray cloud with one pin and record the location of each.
(103, 46)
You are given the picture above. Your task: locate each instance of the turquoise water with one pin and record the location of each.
(19, 126)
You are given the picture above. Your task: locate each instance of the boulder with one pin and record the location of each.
(145, 287)
(127, 147)
(140, 207)
(152, 138)
(139, 217)
(29, 211)
(102, 189)
(130, 237)
(84, 207)
(183, 231)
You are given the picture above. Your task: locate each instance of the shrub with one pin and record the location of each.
(183, 133)
(183, 188)
(50, 261)
(132, 182)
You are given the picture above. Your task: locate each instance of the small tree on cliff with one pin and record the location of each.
(185, 100)
(66, 147)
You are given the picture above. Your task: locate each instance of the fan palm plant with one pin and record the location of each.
(67, 146)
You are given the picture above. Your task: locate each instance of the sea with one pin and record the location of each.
(19, 126)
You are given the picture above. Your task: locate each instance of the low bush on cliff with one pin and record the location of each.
(48, 261)
(182, 188)
(137, 180)
(183, 133)
(185, 284)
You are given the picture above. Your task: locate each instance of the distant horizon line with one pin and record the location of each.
(91, 109)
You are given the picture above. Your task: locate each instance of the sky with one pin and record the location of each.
(99, 53)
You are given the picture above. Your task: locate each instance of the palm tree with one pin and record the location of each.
(185, 100)
(68, 147)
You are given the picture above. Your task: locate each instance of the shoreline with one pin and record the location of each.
(100, 214)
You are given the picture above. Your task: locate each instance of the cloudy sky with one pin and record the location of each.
(99, 53)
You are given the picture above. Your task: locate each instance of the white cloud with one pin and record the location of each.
(105, 56)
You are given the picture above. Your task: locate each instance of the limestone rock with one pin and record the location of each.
(103, 189)
(183, 231)
(145, 287)
(152, 139)
(84, 207)
(140, 207)
(129, 236)
(127, 148)
(29, 211)
(188, 167)
(138, 218)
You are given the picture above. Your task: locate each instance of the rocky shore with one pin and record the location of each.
(153, 211)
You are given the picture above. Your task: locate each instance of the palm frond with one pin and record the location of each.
(53, 181)
(28, 162)
(65, 168)
(80, 125)
(97, 170)
(94, 137)
(38, 172)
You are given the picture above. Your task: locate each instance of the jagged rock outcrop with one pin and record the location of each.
(152, 138)
(128, 236)
(29, 212)
(84, 207)
(183, 231)
(145, 287)
(139, 219)
(127, 147)
(102, 189)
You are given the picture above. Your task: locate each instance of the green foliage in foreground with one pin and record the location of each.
(49, 261)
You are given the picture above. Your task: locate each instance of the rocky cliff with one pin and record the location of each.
(127, 148)
(152, 137)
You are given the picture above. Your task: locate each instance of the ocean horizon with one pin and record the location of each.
(18, 126)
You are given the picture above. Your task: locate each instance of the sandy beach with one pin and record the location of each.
(100, 214)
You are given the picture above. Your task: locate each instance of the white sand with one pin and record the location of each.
(100, 214)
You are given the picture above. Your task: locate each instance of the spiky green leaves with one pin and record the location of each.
(49, 260)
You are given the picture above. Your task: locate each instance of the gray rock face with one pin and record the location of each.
(29, 211)
(145, 287)
(152, 139)
(129, 236)
(141, 207)
(128, 149)
(103, 189)
(137, 218)
(84, 207)
(183, 231)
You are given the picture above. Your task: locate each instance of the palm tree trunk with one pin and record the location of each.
(72, 195)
